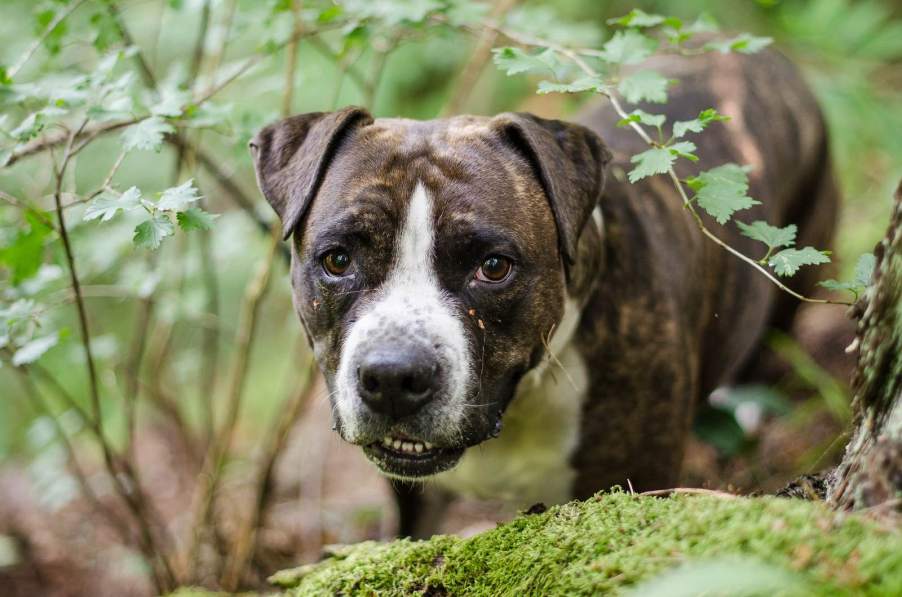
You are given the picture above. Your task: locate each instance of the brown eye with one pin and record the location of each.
(494, 269)
(336, 262)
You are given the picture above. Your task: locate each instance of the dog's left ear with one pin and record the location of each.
(292, 155)
(569, 161)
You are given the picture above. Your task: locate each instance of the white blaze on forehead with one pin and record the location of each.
(411, 306)
(414, 262)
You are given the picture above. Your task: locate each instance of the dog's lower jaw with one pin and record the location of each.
(414, 467)
(529, 461)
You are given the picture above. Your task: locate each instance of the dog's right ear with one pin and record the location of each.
(292, 155)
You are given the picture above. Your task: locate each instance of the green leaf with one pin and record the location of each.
(171, 103)
(788, 261)
(146, 135)
(578, 86)
(53, 40)
(637, 18)
(151, 232)
(23, 254)
(684, 149)
(643, 117)
(645, 85)
(514, 61)
(771, 236)
(744, 44)
(34, 349)
(178, 198)
(721, 191)
(194, 218)
(107, 204)
(864, 271)
(4, 76)
(641, 19)
(657, 160)
(628, 47)
(697, 125)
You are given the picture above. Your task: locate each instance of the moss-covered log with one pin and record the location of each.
(617, 541)
(871, 471)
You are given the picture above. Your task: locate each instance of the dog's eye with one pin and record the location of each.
(336, 262)
(494, 269)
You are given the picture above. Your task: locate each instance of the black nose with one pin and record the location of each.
(397, 383)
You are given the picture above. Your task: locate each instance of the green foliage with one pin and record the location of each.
(151, 232)
(109, 203)
(722, 191)
(771, 236)
(515, 61)
(788, 261)
(24, 253)
(864, 272)
(628, 47)
(584, 84)
(656, 160)
(146, 135)
(644, 86)
(697, 125)
(744, 44)
(195, 218)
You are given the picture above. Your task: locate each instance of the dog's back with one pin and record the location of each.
(693, 314)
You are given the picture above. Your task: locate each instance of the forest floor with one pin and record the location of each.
(327, 493)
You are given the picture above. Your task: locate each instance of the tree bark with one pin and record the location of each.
(870, 474)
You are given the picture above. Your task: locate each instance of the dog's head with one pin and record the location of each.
(431, 262)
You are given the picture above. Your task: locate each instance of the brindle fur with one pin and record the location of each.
(667, 315)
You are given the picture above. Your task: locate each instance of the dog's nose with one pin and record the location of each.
(396, 383)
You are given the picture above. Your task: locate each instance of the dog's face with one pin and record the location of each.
(428, 265)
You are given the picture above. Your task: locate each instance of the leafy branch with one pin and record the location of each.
(720, 191)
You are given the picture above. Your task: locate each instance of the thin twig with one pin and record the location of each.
(690, 491)
(116, 16)
(574, 56)
(162, 573)
(292, 59)
(6, 197)
(481, 54)
(36, 400)
(57, 19)
(218, 453)
(246, 543)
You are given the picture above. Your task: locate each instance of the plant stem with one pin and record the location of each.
(575, 57)
(218, 453)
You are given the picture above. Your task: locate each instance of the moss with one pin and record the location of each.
(617, 541)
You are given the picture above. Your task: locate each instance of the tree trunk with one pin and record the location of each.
(871, 471)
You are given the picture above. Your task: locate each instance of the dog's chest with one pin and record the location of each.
(530, 461)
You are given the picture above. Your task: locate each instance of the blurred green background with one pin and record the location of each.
(850, 51)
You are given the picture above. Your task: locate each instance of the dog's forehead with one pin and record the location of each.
(469, 172)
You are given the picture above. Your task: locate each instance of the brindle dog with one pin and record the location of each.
(456, 274)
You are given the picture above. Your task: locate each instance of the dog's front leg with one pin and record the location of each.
(420, 508)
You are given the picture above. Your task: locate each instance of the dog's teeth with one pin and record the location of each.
(427, 445)
(396, 444)
(407, 446)
(386, 441)
(418, 447)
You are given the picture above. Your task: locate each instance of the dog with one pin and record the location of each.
(497, 311)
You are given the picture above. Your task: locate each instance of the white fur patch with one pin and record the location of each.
(410, 305)
(530, 461)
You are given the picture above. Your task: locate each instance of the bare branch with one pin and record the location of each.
(246, 543)
(481, 54)
(218, 453)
